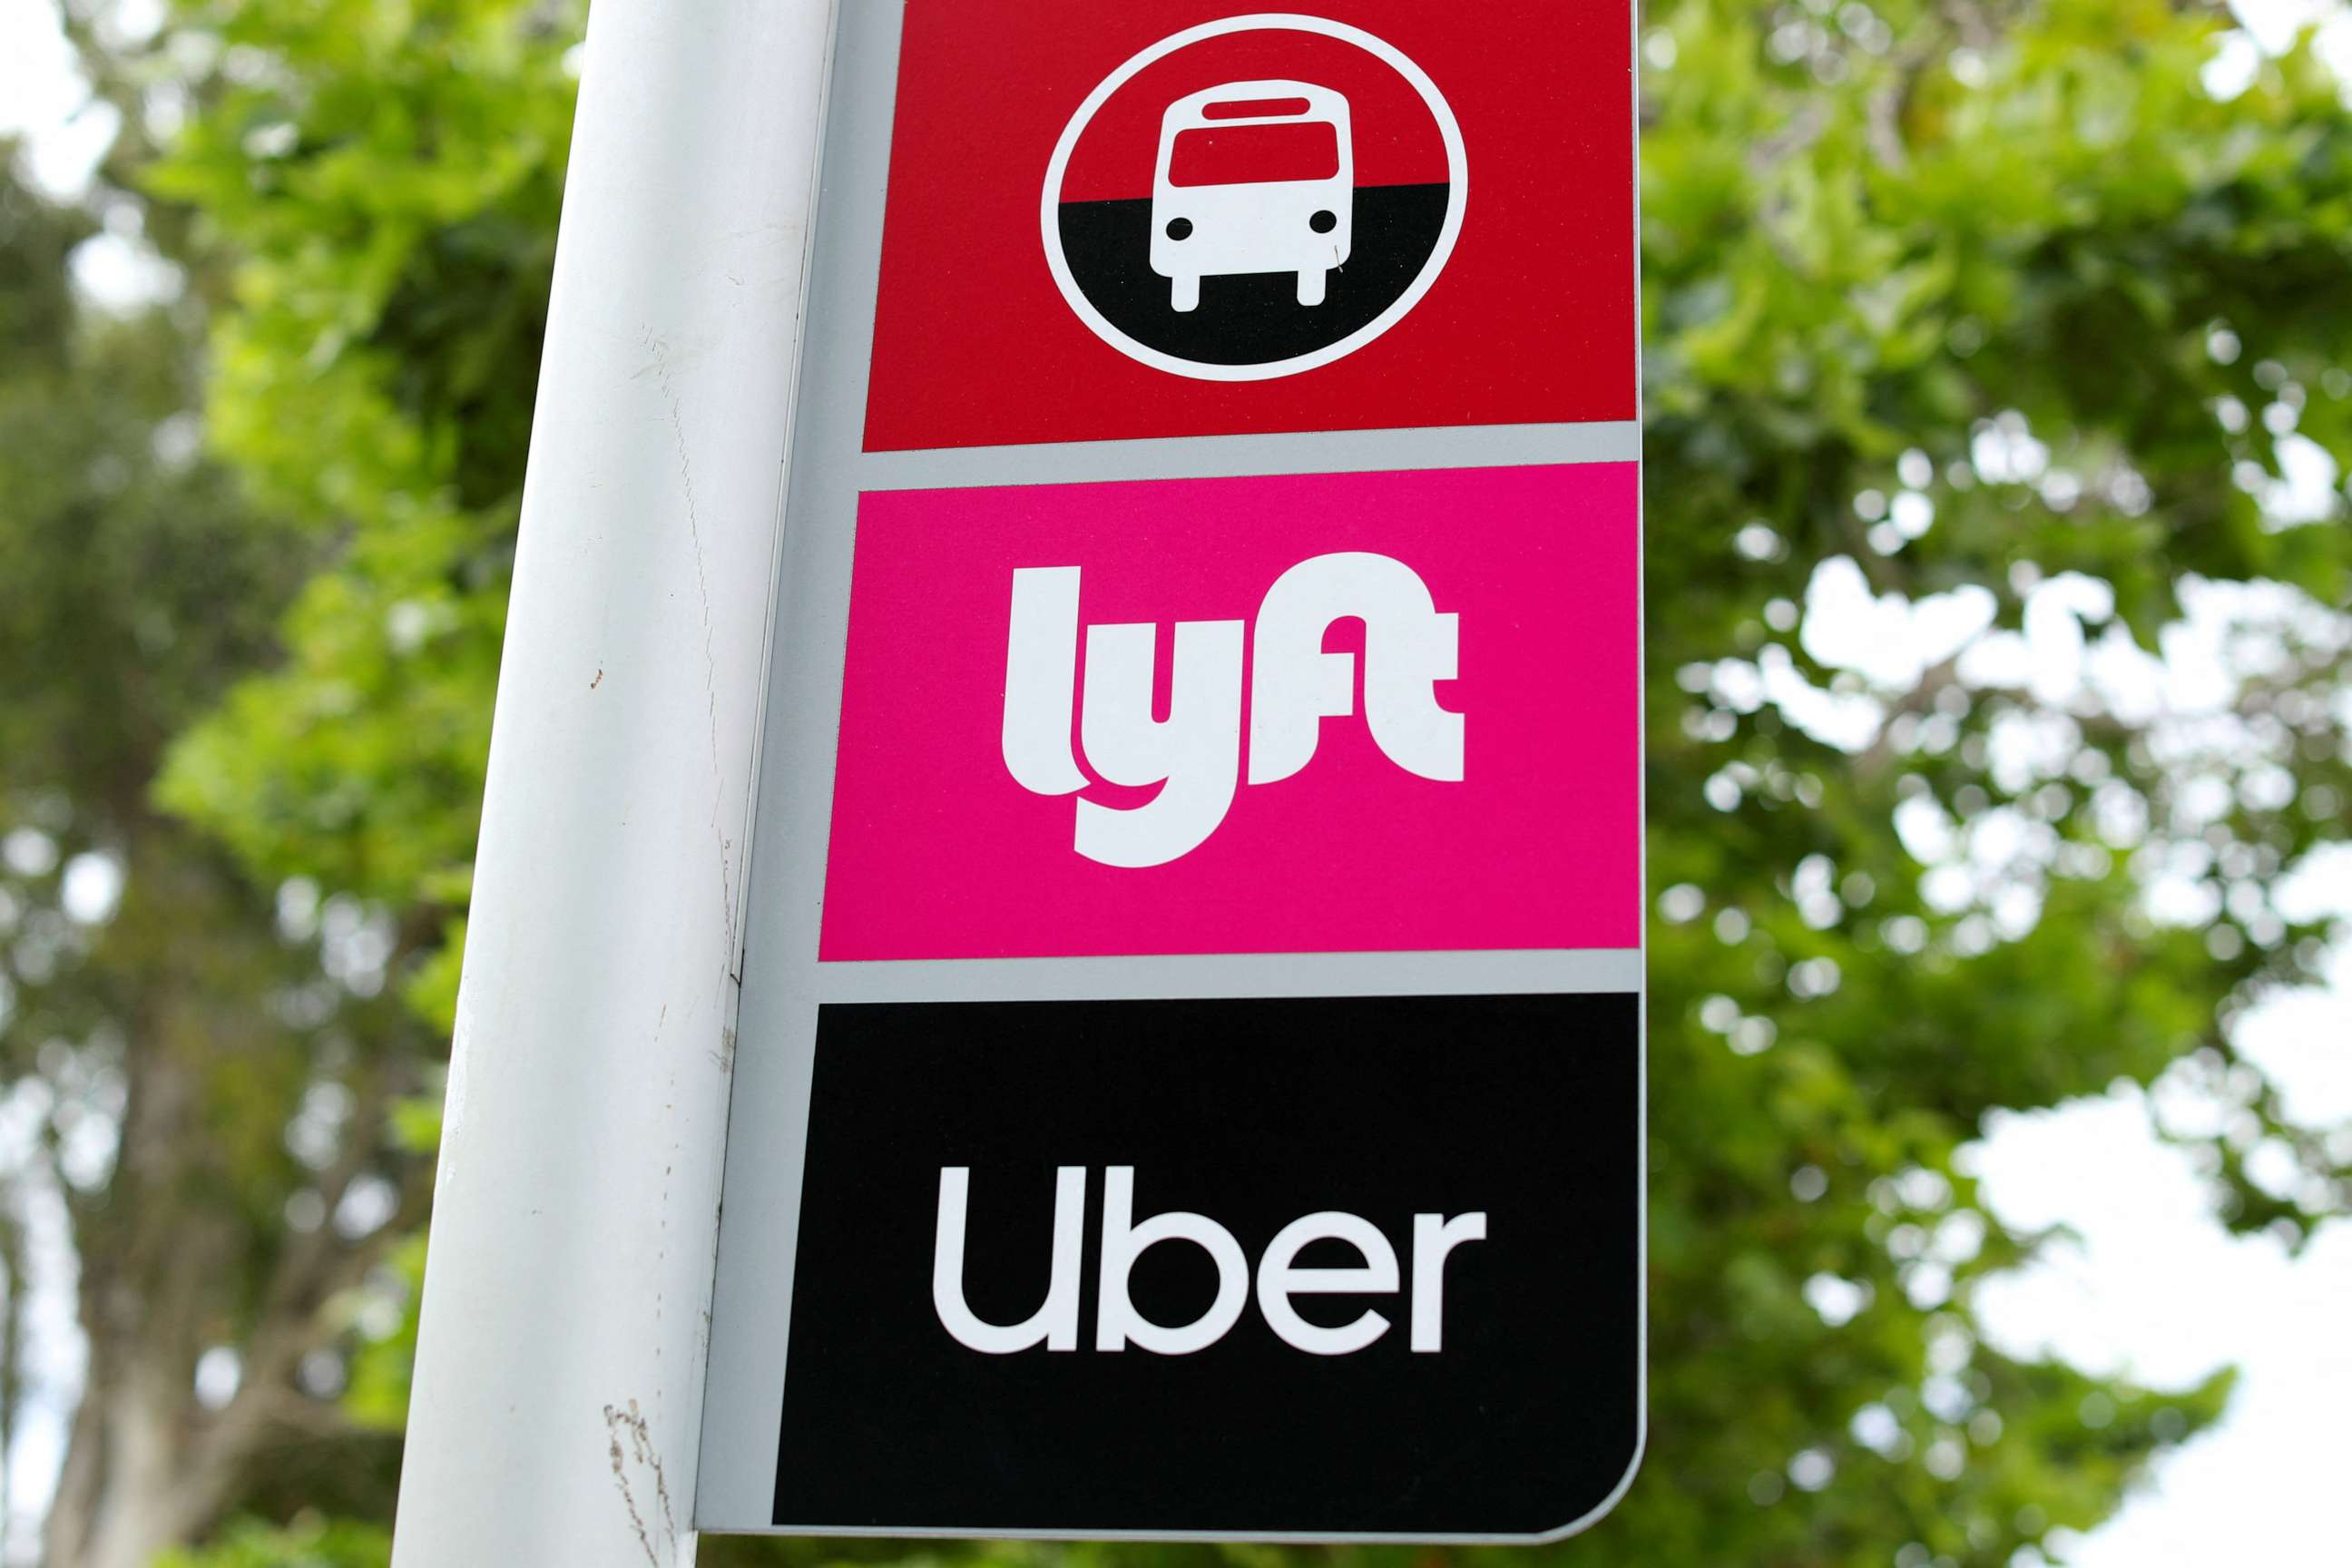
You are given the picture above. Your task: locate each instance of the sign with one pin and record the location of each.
(1489, 253)
(1190, 1071)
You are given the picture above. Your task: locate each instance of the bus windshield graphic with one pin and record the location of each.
(1245, 154)
(1253, 176)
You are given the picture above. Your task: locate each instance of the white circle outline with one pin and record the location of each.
(1457, 196)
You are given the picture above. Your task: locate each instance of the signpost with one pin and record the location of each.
(558, 1393)
(1182, 1013)
(1190, 1071)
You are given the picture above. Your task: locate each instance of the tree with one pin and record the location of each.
(246, 1041)
(206, 1099)
(1984, 341)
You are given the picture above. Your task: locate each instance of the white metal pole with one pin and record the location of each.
(558, 1380)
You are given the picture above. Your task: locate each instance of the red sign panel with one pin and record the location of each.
(1159, 218)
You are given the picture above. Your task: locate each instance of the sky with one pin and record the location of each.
(2156, 1288)
(2148, 1284)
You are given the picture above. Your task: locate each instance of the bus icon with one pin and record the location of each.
(1252, 177)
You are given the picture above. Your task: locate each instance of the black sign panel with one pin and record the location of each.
(1363, 1266)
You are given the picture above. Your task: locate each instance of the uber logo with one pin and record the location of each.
(1280, 1275)
(1225, 1265)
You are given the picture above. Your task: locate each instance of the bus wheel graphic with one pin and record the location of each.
(1214, 218)
(1252, 177)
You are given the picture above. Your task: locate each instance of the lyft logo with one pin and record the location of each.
(1195, 753)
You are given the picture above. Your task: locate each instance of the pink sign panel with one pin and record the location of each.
(1350, 712)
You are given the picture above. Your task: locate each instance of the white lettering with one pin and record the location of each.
(1040, 677)
(1056, 1322)
(1279, 1277)
(1116, 1323)
(1194, 753)
(1195, 750)
(1434, 1235)
(1408, 647)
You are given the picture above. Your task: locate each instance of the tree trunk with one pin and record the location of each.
(118, 1501)
(151, 1262)
(184, 1250)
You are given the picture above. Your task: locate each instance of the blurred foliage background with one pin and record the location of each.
(1990, 355)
